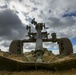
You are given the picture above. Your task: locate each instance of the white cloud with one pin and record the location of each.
(2, 2)
(55, 51)
(5, 49)
(56, 22)
(49, 12)
(74, 49)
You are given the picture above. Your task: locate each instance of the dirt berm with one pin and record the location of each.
(57, 64)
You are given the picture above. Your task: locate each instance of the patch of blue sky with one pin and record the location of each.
(73, 40)
(54, 50)
(69, 14)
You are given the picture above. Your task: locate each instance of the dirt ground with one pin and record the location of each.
(40, 72)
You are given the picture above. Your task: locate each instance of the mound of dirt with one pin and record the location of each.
(26, 61)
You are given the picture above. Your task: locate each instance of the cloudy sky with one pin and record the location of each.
(58, 15)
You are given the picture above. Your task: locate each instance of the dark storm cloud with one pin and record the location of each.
(11, 26)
